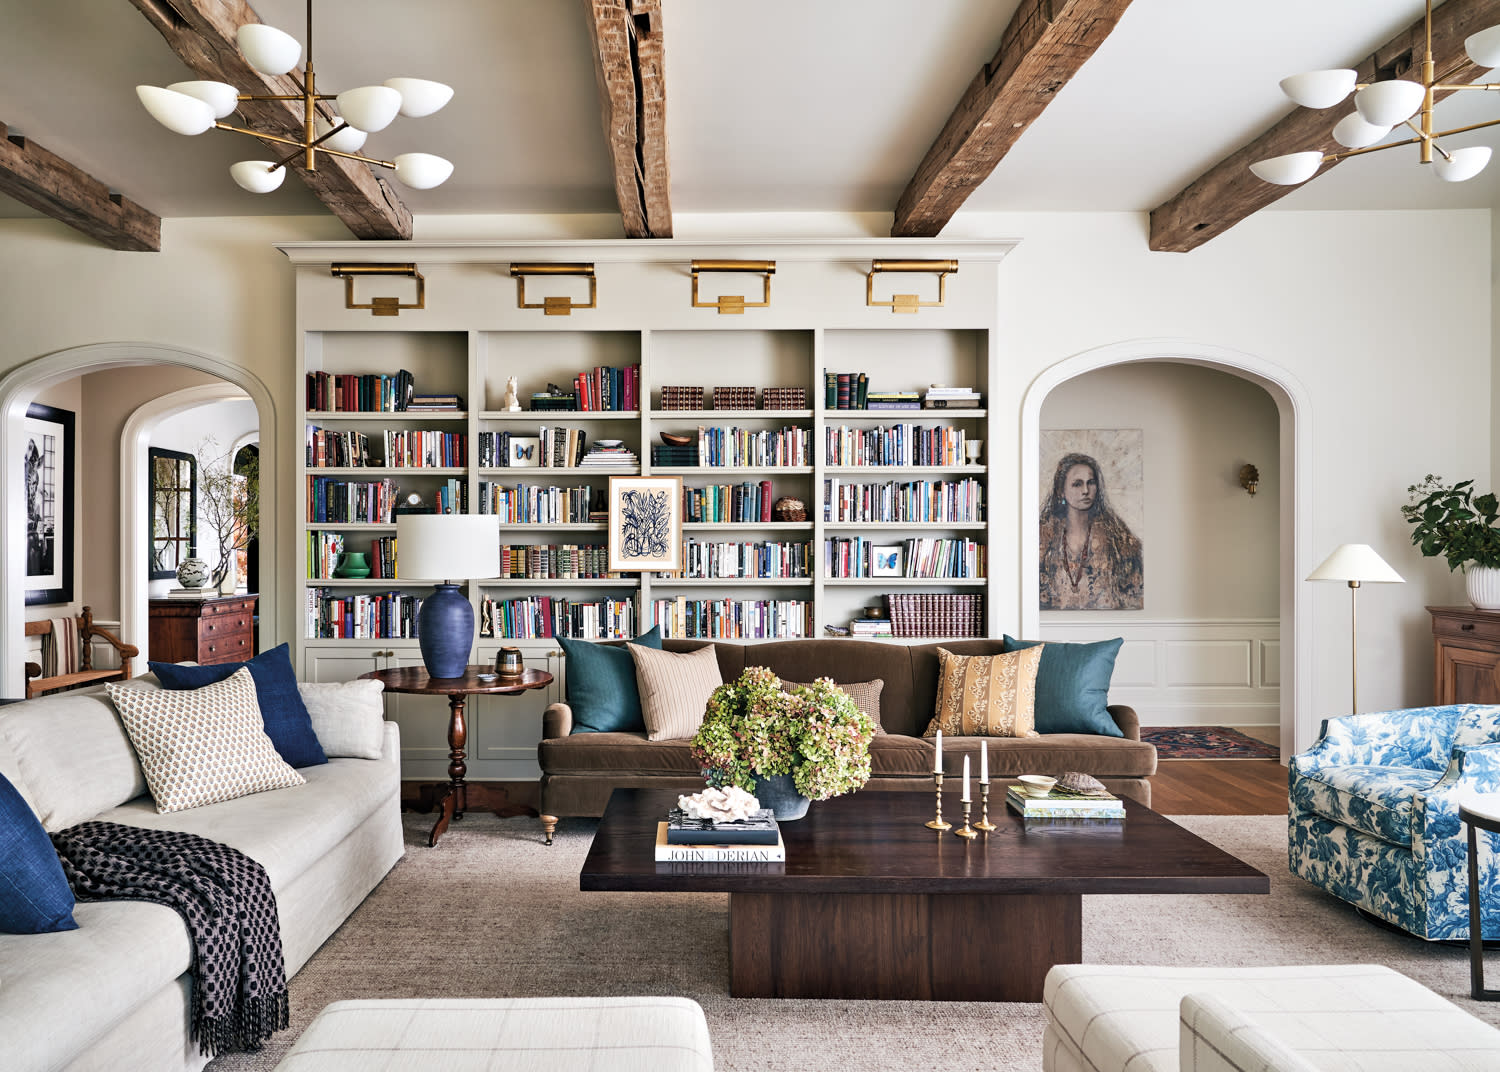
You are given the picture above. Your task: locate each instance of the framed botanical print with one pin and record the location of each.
(48, 474)
(645, 523)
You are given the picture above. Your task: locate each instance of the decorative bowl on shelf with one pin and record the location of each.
(1036, 785)
(672, 439)
(610, 444)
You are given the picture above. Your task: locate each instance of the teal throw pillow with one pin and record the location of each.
(601, 685)
(1072, 686)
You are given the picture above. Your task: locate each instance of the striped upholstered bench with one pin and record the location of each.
(1351, 1017)
(649, 1034)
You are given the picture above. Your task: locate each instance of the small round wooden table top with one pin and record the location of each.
(415, 679)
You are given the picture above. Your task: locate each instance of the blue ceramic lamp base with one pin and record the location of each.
(445, 631)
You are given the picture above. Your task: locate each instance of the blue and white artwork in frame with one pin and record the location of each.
(645, 523)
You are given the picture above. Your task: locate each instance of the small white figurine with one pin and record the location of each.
(510, 403)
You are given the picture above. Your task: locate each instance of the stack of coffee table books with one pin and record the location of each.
(1061, 805)
(756, 840)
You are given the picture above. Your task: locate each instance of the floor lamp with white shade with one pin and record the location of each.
(1355, 563)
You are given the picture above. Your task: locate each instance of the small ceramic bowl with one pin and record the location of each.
(610, 443)
(672, 439)
(1037, 785)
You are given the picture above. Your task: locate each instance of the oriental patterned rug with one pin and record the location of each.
(1206, 742)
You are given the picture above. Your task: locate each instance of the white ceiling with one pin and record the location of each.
(773, 105)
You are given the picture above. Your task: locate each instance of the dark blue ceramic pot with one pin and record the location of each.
(445, 630)
(777, 792)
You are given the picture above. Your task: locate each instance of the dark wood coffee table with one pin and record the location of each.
(871, 904)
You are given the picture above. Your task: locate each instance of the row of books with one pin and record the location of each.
(898, 444)
(924, 557)
(845, 390)
(532, 504)
(539, 617)
(765, 558)
(451, 496)
(553, 447)
(671, 455)
(608, 388)
(337, 393)
(717, 503)
(1056, 806)
(733, 619)
(555, 561)
(331, 500)
(922, 501)
(325, 448)
(420, 448)
(365, 616)
(324, 549)
(719, 446)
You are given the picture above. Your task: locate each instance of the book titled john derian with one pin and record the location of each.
(720, 853)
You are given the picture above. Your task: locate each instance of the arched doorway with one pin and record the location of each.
(1294, 412)
(17, 389)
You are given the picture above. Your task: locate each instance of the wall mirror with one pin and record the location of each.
(174, 492)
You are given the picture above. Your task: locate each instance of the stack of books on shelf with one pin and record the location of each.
(756, 840)
(330, 393)
(939, 396)
(566, 561)
(616, 457)
(733, 619)
(553, 400)
(664, 454)
(893, 400)
(871, 627)
(720, 503)
(541, 617)
(763, 559)
(435, 403)
(1060, 804)
(845, 390)
(530, 504)
(959, 501)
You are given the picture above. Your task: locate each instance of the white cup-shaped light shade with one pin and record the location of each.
(1319, 89)
(176, 111)
(1484, 47)
(369, 108)
(1288, 170)
(257, 176)
(422, 171)
(447, 547)
(348, 140)
(269, 50)
(1353, 132)
(1461, 164)
(1384, 104)
(220, 96)
(419, 96)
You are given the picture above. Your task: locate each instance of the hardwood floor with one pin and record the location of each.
(1219, 787)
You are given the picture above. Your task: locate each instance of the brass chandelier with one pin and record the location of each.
(193, 107)
(1381, 107)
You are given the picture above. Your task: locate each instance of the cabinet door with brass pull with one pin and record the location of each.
(1466, 655)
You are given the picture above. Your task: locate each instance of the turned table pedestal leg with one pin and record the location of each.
(455, 799)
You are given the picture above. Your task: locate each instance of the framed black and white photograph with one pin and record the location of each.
(645, 523)
(886, 561)
(525, 452)
(48, 467)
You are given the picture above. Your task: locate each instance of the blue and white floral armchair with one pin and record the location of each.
(1373, 817)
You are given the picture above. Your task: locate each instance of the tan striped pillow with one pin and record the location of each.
(865, 694)
(674, 689)
(986, 695)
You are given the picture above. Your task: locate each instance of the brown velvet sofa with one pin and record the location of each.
(580, 771)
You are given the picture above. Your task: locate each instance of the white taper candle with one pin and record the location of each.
(984, 763)
(966, 798)
(937, 765)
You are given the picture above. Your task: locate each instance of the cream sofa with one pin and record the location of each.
(113, 994)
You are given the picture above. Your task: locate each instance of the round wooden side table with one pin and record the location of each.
(415, 679)
(1479, 815)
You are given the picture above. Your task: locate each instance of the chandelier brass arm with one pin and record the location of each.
(302, 146)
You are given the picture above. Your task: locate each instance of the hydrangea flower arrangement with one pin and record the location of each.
(815, 733)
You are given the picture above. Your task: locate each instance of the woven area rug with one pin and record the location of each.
(491, 912)
(1206, 742)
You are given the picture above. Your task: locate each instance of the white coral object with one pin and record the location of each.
(726, 805)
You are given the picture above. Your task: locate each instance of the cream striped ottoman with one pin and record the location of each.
(1350, 1017)
(479, 1035)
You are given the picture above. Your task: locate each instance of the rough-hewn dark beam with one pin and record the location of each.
(51, 185)
(1045, 45)
(629, 50)
(201, 33)
(1227, 192)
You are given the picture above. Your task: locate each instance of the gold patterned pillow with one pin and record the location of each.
(986, 695)
(201, 746)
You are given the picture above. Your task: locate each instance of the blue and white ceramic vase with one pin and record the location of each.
(779, 793)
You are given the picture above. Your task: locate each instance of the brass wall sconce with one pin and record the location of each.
(909, 303)
(1249, 478)
(734, 303)
(380, 306)
(555, 304)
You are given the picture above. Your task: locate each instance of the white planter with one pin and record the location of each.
(1482, 584)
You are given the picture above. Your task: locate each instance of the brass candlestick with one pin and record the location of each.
(966, 830)
(938, 824)
(984, 799)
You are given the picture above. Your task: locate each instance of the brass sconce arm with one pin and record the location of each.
(558, 304)
(909, 303)
(734, 303)
(380, 306)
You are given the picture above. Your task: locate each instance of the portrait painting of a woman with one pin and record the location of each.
(1090, 560)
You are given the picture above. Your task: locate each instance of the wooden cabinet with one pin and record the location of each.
(1466, 650)
(205, 631)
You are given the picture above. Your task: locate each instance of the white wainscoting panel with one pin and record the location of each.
(1186, 672)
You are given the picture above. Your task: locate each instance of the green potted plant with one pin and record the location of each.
(787, 748)
(1450, 521)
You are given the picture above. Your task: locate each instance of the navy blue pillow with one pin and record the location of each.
(601, 685)
(34, 894)
(281, 708)
(1072, 685)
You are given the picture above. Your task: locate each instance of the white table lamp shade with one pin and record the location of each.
(440, 547)
(1355, 562)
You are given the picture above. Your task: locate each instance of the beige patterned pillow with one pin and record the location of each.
(674, 689)
(986, 695)
(865, 694)
(201, 746)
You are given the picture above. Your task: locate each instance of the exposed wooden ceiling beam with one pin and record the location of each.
(1045, 45)
(51, 185)
(629, 50)
(1227, 192)
(201, 33)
